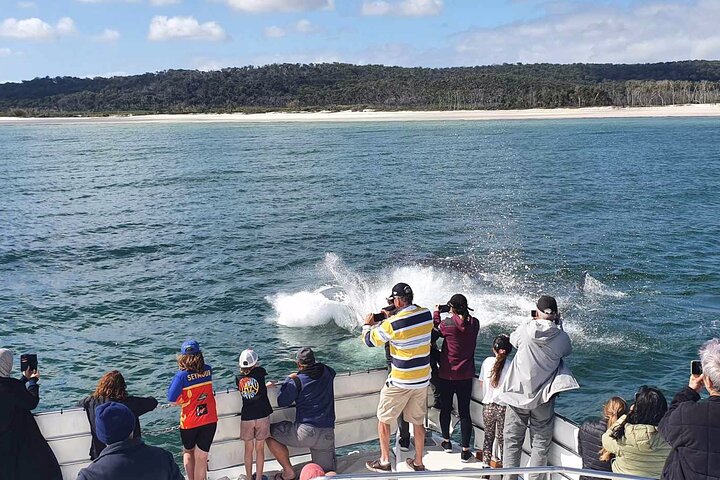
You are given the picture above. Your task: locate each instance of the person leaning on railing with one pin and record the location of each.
(112, 388)
(25, 454)
(692, 426)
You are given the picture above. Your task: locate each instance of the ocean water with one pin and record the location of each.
(120, 241)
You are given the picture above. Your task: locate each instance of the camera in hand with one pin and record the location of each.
(443, 308)
(379, 317)
(28, 360)
(696, 367)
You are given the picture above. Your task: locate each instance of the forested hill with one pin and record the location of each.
(335, 86)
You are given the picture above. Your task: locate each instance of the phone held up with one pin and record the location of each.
(28, 360)
(443, 308)
(533, 313)
(696, 367)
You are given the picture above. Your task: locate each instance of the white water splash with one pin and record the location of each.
(353, 295)
(592, 286)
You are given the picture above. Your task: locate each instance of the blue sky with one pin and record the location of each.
(107, 37)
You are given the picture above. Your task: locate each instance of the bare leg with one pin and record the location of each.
(259, 459)
(249, 458)
(282, 455)
(384, 436)
(201, 459)
(189, 463)
(419, 443)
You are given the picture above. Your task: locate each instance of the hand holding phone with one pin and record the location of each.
(28, 360)
(444, 308)
(696, 367)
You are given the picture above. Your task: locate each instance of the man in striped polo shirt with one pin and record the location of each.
(408, 332)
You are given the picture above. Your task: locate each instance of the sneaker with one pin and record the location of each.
(378, 466)
(404, 444)
(446, 445)
(465, 456)
(411, 463)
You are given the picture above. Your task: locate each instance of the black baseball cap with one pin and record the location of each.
(459, 302)
(306, 356)
(547, 304)
(502, 342)
(401, 290)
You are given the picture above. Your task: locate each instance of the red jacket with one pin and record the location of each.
(457, 357)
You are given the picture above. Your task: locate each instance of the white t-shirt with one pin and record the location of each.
(490, 394)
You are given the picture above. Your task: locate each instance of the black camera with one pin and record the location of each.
(443, 308)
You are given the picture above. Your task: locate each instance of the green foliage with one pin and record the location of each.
(337, 86)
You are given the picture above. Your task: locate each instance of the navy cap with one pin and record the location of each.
(190, 347)
(114, 422)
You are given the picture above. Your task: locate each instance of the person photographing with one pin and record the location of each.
(457, 368)
(535, 376)
(26, 453)
(408, 331)
(691, 425)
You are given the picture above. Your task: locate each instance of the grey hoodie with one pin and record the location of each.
(537, 371)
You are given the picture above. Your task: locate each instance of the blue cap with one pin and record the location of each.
(114, 422)
(190, 346)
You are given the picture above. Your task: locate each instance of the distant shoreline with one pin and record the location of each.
(696, 110)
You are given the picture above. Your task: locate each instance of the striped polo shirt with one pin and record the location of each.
(408, 332)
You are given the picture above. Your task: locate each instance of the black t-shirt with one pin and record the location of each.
(254, 394)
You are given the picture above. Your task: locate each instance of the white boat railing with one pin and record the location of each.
(489, 472)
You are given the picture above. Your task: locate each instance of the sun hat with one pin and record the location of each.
(114, 422)
(190, 347)
(248, 358)
(547, 305)
(310, 471)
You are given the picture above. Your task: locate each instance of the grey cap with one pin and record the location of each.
(306, 356)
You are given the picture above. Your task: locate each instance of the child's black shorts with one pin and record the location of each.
(201, 437)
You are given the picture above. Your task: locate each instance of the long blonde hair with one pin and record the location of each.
(614, 408)
(191, 362)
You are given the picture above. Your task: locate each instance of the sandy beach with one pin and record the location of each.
(705, 110)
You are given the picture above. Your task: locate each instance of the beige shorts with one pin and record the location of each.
(255, 429)
(412, 403)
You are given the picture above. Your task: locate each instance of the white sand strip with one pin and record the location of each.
(706, 110)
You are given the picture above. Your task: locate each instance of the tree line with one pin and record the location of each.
(338, 86)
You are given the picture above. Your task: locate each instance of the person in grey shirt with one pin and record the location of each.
(536, 375)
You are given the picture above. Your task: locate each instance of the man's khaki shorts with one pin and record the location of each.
(411, 402)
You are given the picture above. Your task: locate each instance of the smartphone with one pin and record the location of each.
(443, 308)
(696, 367)
(28, 360)
(533, 313)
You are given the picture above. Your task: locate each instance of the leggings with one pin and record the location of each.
(494, 419)
(463, 389)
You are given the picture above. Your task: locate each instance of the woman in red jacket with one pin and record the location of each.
(457, 368)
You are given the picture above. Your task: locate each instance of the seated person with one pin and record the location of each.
(312, 391)
(594, 457)
(634, 438)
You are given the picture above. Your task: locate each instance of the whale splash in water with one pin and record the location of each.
(592, 286)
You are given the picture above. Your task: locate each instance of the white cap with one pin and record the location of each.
(248, 358)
